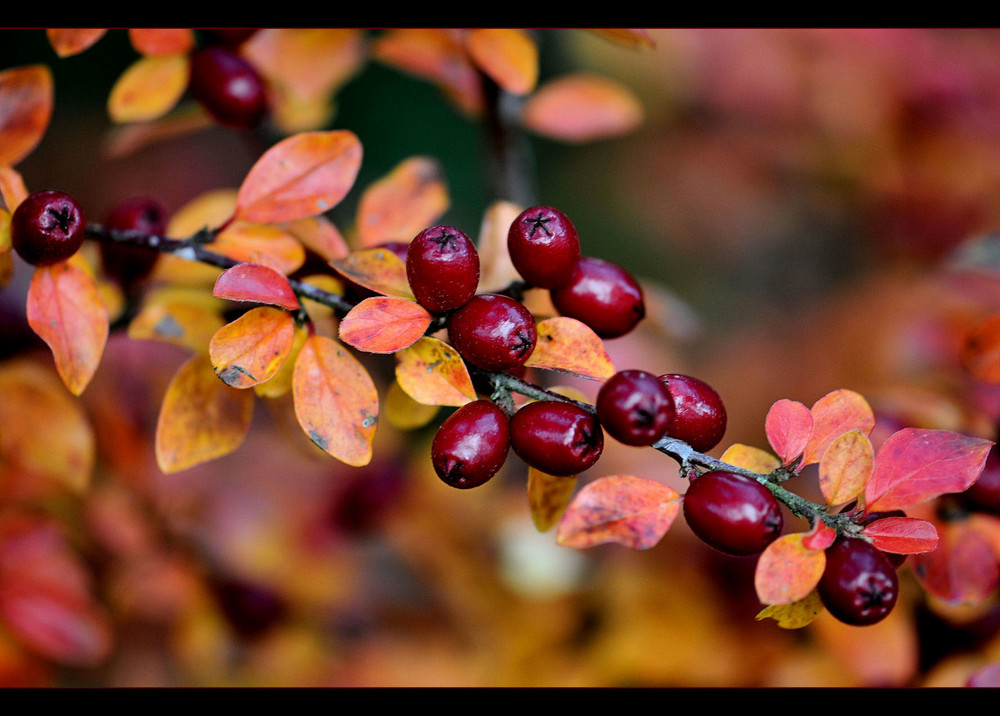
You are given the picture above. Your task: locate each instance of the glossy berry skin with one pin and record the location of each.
(859, 585)
(128, 264)
(493, 332)
(442, 266)
(47, 227)
(732, 513)
(699, 415)
(544, 247)
(471, 446)
(602, 295)
(557, 438)
(228, 87)
(635, 407)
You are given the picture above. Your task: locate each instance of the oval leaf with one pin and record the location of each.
(260, 243)
(403, 412)
(569, 346)
(256, 283)
(845, 467)
(201, 418)
(72, 41)
(251, 349)
(65, 309)
(751, 458)
(631, 511)
(319, 235)
(335, 400)
(182, 321)
(508, 56)
(789, 426)
(403, 203)
(26, 99)
(548, 496)
(962, 570)
(833, 415)
(432, 373)
(377, 269)
(304, 175)
(384, 325)
(787, 570)
(496, 269)
(902, 535)
(148, 89)
(915, 465)
(796, 615)
(155, 41)
(582, 108)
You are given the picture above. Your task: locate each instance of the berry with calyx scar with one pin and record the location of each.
(471, 446)
(544, 247)
(47, 228)
(442, 266)
(635, 407)
(493, 332)
(859, 584)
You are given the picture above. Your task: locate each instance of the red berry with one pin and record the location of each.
(602, 295)
(635, 407)
(471, 446)
(228, 87)
(859, 585)
(544, 247)
(699, 415)
(47, 227)
(493, 332)
(555, 437)
(126, 263)
(442, 266)
(733, 513)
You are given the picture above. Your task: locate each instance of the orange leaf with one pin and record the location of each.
(12, 187)
(158, 41)
(260, 243)
(384, 325)
(251, 349)
(403, 203)
(256, 283)
(187, 322)
(628, 510)
(431, 372)
(319, 235)
(914, 466)
(569, 346)
(65, 310)
(304, 175)
(335, 400)
(902, 535)
(201, 418)
(833, 415)
(751, 458)
(149, 88)
(508, 56)
(963, 568)
(787, 570)
(548, 496)
(626, 36)
(496, 268)
(26, 98)
(845, 467)
(306, 62)
(281, 382)
(377, 269)
(581, 108)
(72, 41)
(789, 426)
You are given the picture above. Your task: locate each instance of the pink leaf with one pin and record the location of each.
(789, 426)
(256, 283)
(903, 535)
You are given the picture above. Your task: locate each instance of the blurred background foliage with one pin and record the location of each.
(800, 204)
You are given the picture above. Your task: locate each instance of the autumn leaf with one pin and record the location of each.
(628, 510)
(820, 538)
(281, 382)
(12, 187)
(177, 317)
(833, 415)
(403, 412)
(304, 175)
(916, 465)
(64, 308)
(335, 400)
(149, 88)
(379, 270)
(787, 571)
(26, 100)
(251, 349)
(431, 372)
(72, 41)
(256, 283)
(628, 37)
(582, 108)
(751, 458)
(159, 41)
(508, 56)
(902, 535)
(319, 235)
(567, 345)
(548, 496)
(260, 243)
(384, 324)
(981, 352)
(796, 615)
(789, 426)
(201, 417)
(962, 570)
(403, 203)
(496, 269)
(845, 467)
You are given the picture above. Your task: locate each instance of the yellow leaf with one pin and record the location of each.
(548, 497)
(846, 467)
(178, 316)
(751, 458)
(508, 56)
(281, 383)
(149, 88)
(431, 372)
(795, 615)
(251, 349)
(565, 344)
(403, 412)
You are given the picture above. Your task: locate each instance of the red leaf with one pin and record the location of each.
(916, 465)
(628, 510)
(789, 426)
(962, 570)
(821, 538)
(256, 283)
(903, 535)
(384, 324)
(833, 415)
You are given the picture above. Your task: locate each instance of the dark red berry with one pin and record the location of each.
(859, 585)
(251, 608)
(228, 87)
(544, 247)
(493, 332)
(733, 513)
(471, 446)
(47, 227)
(699, 415)
(557, 438)
(984, 494)
(603, 296)
(442, 266)
(635, 407)
(125, 263)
